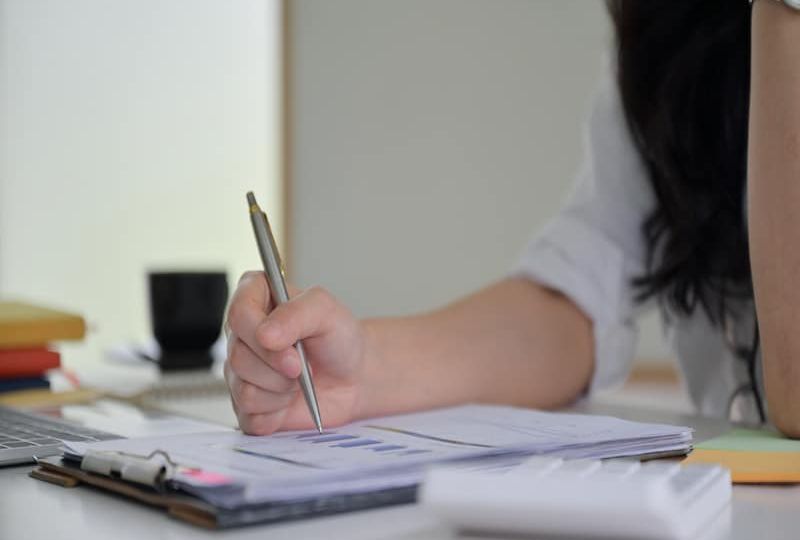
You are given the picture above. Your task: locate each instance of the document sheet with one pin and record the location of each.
(231, 469)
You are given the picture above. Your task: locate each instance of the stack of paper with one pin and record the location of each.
(231, 470)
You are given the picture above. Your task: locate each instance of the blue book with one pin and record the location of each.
(23, 383)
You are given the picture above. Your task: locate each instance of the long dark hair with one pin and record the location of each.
(684, 75)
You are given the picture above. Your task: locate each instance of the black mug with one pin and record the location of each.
(186, 311)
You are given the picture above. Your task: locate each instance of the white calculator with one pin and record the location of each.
(582, 498)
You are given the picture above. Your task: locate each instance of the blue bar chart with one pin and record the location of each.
(334, 449)
(342, 440)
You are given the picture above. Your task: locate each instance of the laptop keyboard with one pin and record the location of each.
(26, 430)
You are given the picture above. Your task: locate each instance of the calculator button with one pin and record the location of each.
(580, 467)
(621, 467)
(539, 465)
(660, 468)
(693, 477)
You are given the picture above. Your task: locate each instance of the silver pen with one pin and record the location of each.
(273, 267)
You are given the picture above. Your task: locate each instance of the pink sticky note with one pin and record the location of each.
(206, 477)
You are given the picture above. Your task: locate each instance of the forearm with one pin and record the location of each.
(512, 343)
(774, 204)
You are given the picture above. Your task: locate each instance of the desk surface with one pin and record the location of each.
(36, 510)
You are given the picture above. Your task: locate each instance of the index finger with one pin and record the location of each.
(249, 306)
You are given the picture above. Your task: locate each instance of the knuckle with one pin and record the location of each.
(231, 337)
(248, 398)
(236, 315)
(284, 385)
(272, 380)
(318, 292)
(231, 379)
(236, 358)
(323, 298)
(260, 424)
(293, 290)
(226, 372)
(246, 422)
(234, 407)
(270, 359)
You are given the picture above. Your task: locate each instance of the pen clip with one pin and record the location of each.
(274, 246)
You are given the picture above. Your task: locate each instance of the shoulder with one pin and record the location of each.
(612, 190)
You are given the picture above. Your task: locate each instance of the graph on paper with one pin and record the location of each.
(369, 444)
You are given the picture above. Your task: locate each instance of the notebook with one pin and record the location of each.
(194, 394)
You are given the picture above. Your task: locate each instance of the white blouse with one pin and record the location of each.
(594, 247)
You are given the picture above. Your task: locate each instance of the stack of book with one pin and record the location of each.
(27, 334)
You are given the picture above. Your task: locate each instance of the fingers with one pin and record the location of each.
(248, 310)
(251, 400)
(249, 305)
(250, 367)
(263, 364)
(260, 395)
(310, 313)
(258, 423)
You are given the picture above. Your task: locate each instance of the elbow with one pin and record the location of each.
(784, 411)
(781, 381)
(781, 372)
(788, 422)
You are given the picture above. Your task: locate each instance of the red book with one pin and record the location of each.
(27, 362)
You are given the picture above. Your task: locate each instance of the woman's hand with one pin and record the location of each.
(263, 366)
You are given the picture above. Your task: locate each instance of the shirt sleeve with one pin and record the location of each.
(594, 247)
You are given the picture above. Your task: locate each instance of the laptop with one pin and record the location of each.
(25, 436)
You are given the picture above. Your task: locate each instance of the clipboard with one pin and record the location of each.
(68, 474)
(227, 479)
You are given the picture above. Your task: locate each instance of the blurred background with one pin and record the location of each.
(406, 150)
(130, 133)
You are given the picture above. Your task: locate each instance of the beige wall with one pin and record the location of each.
(432, 138)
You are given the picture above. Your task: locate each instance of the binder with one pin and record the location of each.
(157, 493)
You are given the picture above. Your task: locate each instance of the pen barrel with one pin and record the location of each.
(268, 250)
(307, 385)
(269, 258)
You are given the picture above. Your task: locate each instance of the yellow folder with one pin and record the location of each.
(26, 325)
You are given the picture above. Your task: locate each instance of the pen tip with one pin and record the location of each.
(251, 199)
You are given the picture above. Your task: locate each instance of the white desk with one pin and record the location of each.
(33, 510)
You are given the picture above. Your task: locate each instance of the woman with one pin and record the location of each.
(672, 207)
